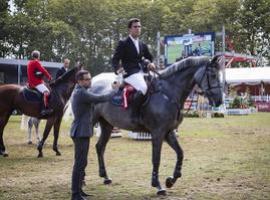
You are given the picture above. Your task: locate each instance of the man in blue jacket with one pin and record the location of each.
(82, 129)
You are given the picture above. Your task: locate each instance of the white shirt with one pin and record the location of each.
(136, 43)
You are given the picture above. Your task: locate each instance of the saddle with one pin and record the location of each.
(126, 93)
(32, 95)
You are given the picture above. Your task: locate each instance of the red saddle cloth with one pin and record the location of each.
(127, 91)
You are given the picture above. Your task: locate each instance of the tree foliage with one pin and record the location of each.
(89, 29)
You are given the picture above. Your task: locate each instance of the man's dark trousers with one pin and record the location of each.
(81, 145)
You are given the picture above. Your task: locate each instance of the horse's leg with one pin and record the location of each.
(157, 141)
(29, 133)
(172, 141)
(36, 128)
(46, 132)
(3, 122)
(106, 130)
(56, 128)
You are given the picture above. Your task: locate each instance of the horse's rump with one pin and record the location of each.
(7, 93)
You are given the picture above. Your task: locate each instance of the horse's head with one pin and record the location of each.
(68, 77)
(207, 78)
(66, 83)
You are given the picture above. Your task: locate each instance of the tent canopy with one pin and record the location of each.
(252, 76)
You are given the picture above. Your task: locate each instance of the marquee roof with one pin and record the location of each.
(251, 75)
(16, 62)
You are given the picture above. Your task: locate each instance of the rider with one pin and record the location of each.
(135, 58)
(35, 72)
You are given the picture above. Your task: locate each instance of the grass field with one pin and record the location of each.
(225, 158)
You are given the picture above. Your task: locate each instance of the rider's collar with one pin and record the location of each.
(133, 39)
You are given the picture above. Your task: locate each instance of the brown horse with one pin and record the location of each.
(15, 97)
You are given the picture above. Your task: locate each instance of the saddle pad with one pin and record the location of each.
(123, 96)
(118, 99)
(32, 95)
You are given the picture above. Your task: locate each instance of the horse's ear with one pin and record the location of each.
(218, 61)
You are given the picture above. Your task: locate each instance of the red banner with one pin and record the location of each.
(187, 104)
(263, 106)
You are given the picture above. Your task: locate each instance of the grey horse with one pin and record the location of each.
(162, 111)
(33, 121)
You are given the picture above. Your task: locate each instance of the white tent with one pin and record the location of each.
(234, 76)
(251, 76)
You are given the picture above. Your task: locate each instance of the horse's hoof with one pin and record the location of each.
(29, 142)
(162, 192)
(58, 153)
(5, 154)
(169, 182)
(107, 181)
(40, 155)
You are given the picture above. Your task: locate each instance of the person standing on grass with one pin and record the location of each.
(82, 129)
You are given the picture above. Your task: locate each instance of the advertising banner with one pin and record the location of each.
(182, 46)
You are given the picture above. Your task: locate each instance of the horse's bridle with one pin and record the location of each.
(210, 87)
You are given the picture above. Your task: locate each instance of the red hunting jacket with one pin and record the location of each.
(32, 67)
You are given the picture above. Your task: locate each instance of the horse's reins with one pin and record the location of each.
(208, 81)
(209, 87)
(156, 72)
(192, 100)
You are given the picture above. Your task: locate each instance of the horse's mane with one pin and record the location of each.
(183, 64)
(64, 77)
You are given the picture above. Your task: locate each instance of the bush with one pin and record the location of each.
(236, 102)
(217, 114)
(191, 114)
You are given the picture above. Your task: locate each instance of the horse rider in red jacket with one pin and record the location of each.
(35, 72)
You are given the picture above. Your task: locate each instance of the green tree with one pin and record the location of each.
(4, 48)
(90, 30)
(254, 29)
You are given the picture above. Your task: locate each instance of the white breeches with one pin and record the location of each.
(137, 81)
(42, 88)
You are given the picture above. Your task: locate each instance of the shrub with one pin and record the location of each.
(191, 114)
(217, 114)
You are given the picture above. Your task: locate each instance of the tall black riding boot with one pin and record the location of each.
(46, 110)
(137, 102)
